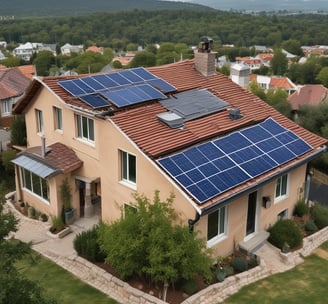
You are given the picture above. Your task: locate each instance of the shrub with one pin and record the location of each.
(57, 224)
(301, 208)
(285, 232)
(310, 227)
(319, 215)
(86, 245)
(239, 264)
(190, 286)
(31, 212)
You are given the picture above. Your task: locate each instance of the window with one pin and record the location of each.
(39, 121)
(283, 215)
(85, 128)
(35, 184)
(216, 225)
(6, 107)
(128, 165)
(129, 210)
(281, 186)
(58, 119)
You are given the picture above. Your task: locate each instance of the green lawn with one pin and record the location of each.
(306, 283)
(60, 284)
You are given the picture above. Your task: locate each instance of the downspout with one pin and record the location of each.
(192, 222)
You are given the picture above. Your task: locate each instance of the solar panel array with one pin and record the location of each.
(122, 88)
(209, 169)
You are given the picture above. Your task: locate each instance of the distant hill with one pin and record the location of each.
(42, 8)
(266, 5)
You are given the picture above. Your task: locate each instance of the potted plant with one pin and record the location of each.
(66, 197)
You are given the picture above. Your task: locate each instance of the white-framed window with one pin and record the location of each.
(39, 121)
(6, 106)
(283, 215)
(36, 184)
(58, 116)
(128, 167)
(85, 128)
(216, 225)
(281, 187)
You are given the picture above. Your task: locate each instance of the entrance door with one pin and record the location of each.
(82, 197)
(251, 213)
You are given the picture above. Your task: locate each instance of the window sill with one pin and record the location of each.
(84, 141)
(129, 185)
(279, 199)
(212, 242)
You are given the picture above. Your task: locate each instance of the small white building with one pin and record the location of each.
(68, 49)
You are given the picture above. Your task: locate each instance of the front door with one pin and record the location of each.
(251, 213)
(82, 197)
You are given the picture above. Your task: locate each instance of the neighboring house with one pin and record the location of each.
(2, 56)
(24, 51)
(274, 82)
(12, 86)
(252, 63)
(28, 70)
(48, 47)
(125, 59)
(320, 50)
(309, 94)
(95, 49)
(68, 49)
(265, 58)
(234, 164)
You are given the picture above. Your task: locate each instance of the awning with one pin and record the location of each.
(34, 166)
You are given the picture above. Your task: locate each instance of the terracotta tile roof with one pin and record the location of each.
(95, 49)
(265, 57)
(59, 157)
(311, 94)
(281, 83)
(12, 83)
(27, 70)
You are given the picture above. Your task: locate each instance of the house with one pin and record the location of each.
(95, 49)
(234, 164)
(24, 51)
(309, 94)
(68, 49)
(12, 86)
(274, 82)
(253, 63)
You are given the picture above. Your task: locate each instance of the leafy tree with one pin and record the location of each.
(145, 59)
(18, 131)
(147, 243)
(255, 88)
(292, 46)
(117, 64)
(279, 63)
(323, 76)
(11, 61)
(15, 287)
(278, 99)
(43, 62)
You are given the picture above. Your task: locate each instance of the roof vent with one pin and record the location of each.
(171, 119)
(234, 114)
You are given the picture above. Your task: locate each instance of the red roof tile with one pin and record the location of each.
(311, 94)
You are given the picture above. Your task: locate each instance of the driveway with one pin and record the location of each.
(318, 192)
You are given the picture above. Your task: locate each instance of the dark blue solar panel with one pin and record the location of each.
(281, 155)
(170, 166)
(219, 182)
(195, 175)
(95, 101)
(183, 162)
(184, 180)
(223, 163)
(259, 165)
(245, 154)
(210, 151)
(116, 98)
(131, 95)
(91, 82)
(72, 88)
(208, 169)
(131, 76)
(298, 147)
(83, 86)
(238, 175)
(197, 193)
(269, 144)
(232, 142)
(195, 156)
(143, 73)
(272, 126)
(208, 188)
(255, 134)
(105, 81)
(153, 93)
(162, 85)
(286, 137)
(118, 79)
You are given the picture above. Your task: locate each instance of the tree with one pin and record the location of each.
(255, 88)
(278, 99)
(18, 131)
(15, 287)
(323, 76)
(43, 62)
(147, 243)
(144, 59)
(279, 63)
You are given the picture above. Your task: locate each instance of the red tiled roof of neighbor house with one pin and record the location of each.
(265, 57)
(95, 49)
(12, 83)
(27, 70)
(281, 83)
(58, 156)
(311, 94)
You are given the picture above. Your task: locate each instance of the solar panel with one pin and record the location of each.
(93, 83)
(161, 85)
(95, 101)
(70, 87)
(105, 81)
(119, 79)
(116, 98)
(209, 169)
(144, 74)
(131, 76)
(87, 89)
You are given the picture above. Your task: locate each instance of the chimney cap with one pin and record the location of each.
(206, 44)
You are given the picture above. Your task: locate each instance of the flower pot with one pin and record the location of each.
(69, 216)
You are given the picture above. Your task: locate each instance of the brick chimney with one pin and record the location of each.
(205, 59)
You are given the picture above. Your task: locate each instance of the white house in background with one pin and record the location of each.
(24, 51)
(68, 49)
(2, 56)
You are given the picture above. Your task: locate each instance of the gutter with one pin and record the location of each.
(251, 188)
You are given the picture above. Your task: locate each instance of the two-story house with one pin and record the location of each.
(12, 86)
(234, 164)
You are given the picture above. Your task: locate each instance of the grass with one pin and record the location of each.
(306, 283)
(59, 284)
